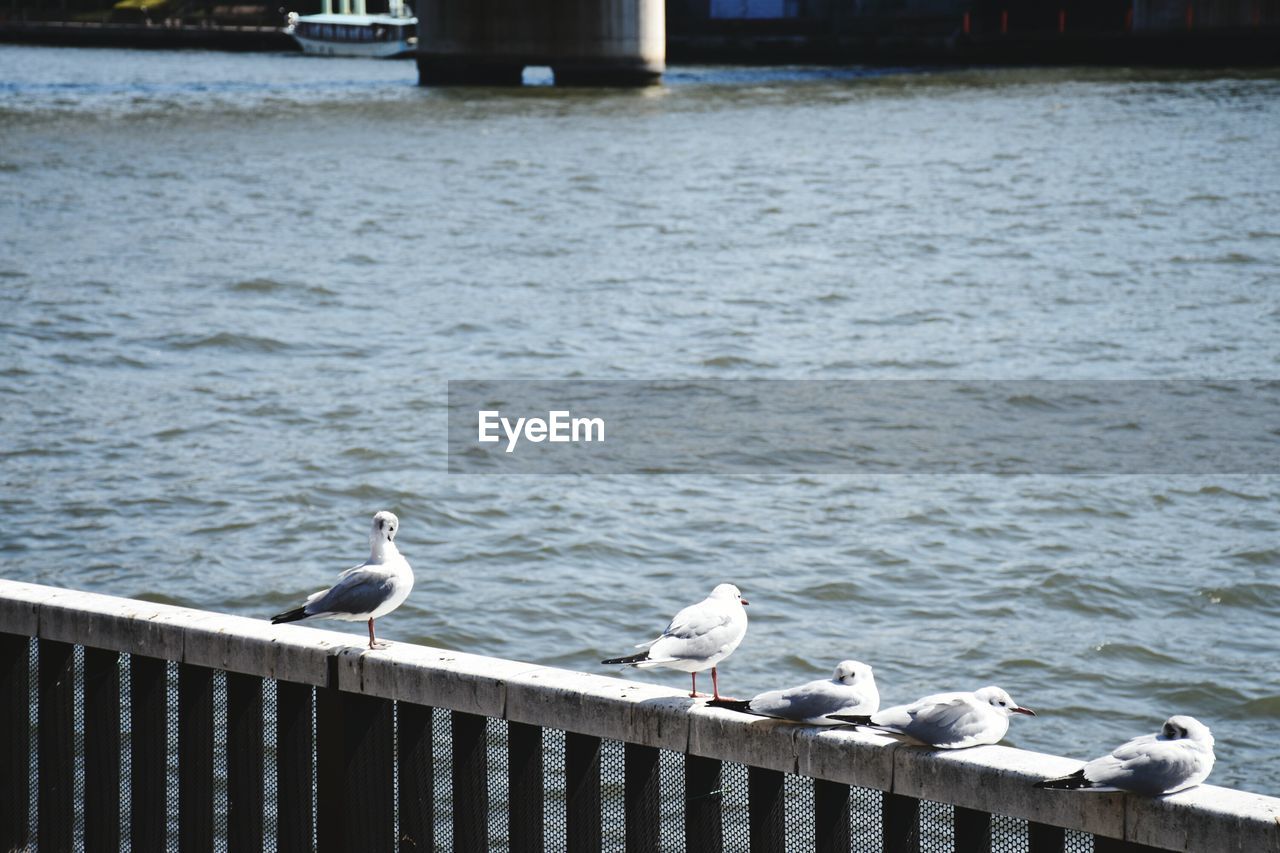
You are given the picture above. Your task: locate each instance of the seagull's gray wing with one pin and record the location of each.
(1150, 765)
(698, 631)
(945, 719)
(810, 702)
(358, 591)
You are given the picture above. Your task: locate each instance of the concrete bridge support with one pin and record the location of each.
(585, 42)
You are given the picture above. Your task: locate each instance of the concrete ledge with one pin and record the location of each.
(993, 779)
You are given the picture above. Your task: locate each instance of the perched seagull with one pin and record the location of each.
(699, 637)
(368, 591)
(850, 690)
(1179, 756)
(947, 720)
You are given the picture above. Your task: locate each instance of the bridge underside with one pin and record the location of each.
(584, 42)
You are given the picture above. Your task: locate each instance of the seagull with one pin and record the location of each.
(370, 590)
(699, 637)
(1179, 756)
(851, 689)
(947, 720)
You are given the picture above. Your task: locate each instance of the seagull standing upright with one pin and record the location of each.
(699, 637)
(1178, 756)
(370, 590)
(947, 720)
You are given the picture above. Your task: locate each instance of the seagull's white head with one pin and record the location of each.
(728, 592)
(1001, 701)
(1182, 727)
(852, 672)
(385, 525)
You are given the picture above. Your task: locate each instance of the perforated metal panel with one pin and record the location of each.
(613, 804)
(734, 804)
(1078, 842)
(33, 775)
(671, 772)
(937, 827)
(866, 819)
(798, 801)
(1008, 834)
(499, 779)
(441, 758)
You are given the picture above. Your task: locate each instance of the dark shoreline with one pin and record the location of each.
(76, 34)
(1253, 47)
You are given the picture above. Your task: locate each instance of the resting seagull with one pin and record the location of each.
(368, 591)
(946, 720)
(850, 690)
(1179, 756)
(698, 638)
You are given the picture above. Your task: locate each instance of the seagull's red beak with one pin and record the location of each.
(1027, 711)
(744, 601)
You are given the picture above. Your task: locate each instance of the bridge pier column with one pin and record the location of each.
(585, 42)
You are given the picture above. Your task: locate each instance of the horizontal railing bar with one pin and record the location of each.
(990, 779)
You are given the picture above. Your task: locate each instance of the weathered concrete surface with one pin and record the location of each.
(608, 42)
(991, 778)
(1007, 776)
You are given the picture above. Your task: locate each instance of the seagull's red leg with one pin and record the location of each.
(715, 685)
(694, 693)
(370, 633)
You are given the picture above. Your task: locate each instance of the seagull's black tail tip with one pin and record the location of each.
(743, 705)
(852, 719)
(1067, 783)
(628, 659)
(289, 616)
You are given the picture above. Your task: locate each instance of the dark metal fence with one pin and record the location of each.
(103, 749)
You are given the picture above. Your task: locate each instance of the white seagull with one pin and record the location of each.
(850, 690)
(1179, 756)
(947, 720)
(698, 638)
(370, 590)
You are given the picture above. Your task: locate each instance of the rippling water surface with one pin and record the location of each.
(232, 289)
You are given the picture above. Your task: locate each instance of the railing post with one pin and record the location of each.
(831, 817)
(972, 830)
(244, 762)
(148, 736)
(101, 750)
(295, 742)
(766, 813)
(582, 792)
(470, 783)
(901, 822)
(525, 792)
(355, 796)
(703, 824)
(15, 731)
(1042, 838)
(414, 741)
(195, 758)
(56, 746)
(642, 797)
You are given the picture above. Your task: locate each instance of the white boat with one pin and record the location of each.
(353, 32)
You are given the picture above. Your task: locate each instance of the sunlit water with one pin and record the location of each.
(233, 288)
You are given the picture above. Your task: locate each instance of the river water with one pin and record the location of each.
(233, 287)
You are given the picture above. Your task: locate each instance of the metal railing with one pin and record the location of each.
(131, 725)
